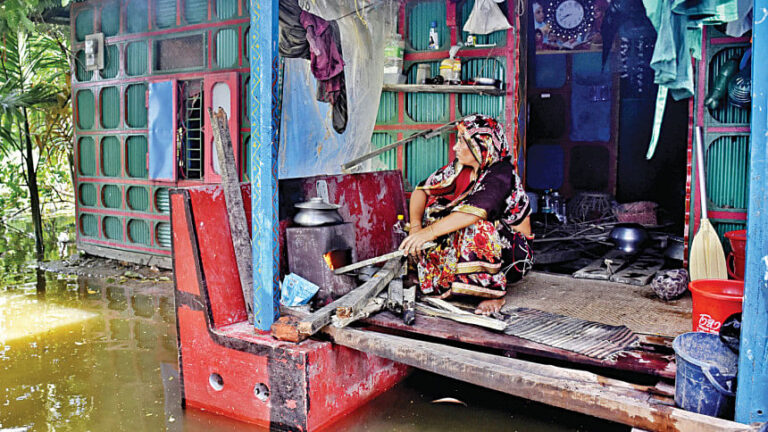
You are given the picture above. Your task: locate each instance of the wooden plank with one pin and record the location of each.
(373, 306)
(462, 317)
(356, 299)
(238, 224)
(409, 305)
(603, 267)
(648, 363)
(443, 88)
(395, 296)
(578, 391)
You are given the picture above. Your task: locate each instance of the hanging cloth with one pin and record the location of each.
(486, 17)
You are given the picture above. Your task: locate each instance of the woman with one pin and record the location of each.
(475, 209)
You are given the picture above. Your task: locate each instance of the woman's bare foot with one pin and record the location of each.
(487, 307)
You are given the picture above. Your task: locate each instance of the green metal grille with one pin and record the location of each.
(388, 160)
(226, 48)
(136, 106)
(89, 225)
(136, 58)
(419, 20)
(724, 227)
(426, 107)
(85, 109)
(191, 129)
(88, 194)
(110, 107)
(83, 24)
(387, 108)
(136, 152)
(423, 156)
(110, 156)
(138, 231)
(728, 172)
(138, 198)
(80, 73)
(498, 37)
(165, 13)
(162, 200)
(110, 18)
(111, 196)
(226, 8)
(112, 228)
(163, 234)
(136, 11)
(245, 101)
(86, 154)
(111, 62)
(483, 104)
(245, 156)
(195, 11)
(727, 113)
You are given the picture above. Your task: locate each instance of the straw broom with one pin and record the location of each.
(707, 257)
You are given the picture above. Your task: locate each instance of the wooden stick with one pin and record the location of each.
(463, 317)
(374, 305)
(356, 300)
(378, 259)
(238, 224)
(409, 305)
(395, 296)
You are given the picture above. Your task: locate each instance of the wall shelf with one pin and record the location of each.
(443, 88)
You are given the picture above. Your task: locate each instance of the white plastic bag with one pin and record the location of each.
(486, 17)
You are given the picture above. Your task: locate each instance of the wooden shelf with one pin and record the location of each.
(443, 88)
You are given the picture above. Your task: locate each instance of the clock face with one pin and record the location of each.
(569, 14)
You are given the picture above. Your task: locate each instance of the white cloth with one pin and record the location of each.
(486, 17)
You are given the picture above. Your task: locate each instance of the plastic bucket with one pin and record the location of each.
(738, 255)
(714, 300)
(706, 372)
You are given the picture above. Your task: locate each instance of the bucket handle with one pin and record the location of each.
(730, 265)
(711, 372)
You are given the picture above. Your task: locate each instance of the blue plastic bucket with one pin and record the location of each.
(706, 372)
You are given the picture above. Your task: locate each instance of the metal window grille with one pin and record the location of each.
(190, 131)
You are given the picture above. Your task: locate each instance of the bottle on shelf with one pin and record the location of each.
(434, 37)
(399, 231)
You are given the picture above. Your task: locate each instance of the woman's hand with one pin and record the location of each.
(413, 243)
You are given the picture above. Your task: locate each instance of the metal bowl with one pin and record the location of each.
(629, 237)
(317, 212)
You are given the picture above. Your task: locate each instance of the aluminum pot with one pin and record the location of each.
(317, 212)
(629, 237)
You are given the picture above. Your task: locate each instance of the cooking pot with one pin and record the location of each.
(317, 212)
(628, 237)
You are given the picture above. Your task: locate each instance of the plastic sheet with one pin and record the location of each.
(308, 143)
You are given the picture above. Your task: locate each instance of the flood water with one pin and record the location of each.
(84, 354)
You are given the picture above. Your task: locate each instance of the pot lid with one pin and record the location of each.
(317, 203)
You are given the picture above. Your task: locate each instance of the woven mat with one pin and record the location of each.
(589, 338)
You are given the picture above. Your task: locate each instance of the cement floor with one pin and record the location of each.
(607, 302)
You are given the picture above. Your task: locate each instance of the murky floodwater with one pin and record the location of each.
(81, 354)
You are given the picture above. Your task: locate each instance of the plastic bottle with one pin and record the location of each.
(393, 54)
(434, 38)
(398, 231)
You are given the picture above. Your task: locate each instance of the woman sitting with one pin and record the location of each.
(476, 210)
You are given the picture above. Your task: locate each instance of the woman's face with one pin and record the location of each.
(538, 13)
(464, 154)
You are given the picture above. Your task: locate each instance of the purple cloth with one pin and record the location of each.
(325, 56)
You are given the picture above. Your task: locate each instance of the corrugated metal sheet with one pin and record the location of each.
(163, 234)
(87, 155)
(245, 155)
(245, 101)
(483, 104)
(138, 231)
(83, 24)
(162, 200)
(85, 109)
(80, 73)
(110, 18)
(499, 37)
(226, 8)
(226, 48)
(387, 108)
(165, 13)
(112, 228)
(723, 228)
(111, 62)
(136, 58)
(87, 194)
(196, 11)
(420, 18)
(110, 107)
(138, 198)
(727, 113)
(89, 225)
(426, 107)
(387, 160)
(136, 105)
(136, 153)
(110, 156)
(423, 156)
(111, 196)
(728, 171)
(136, 13)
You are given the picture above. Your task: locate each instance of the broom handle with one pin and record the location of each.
(702, 179)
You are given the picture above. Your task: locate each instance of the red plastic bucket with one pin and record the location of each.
(738, 254)
(714, 300)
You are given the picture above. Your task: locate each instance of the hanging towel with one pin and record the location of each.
(486, 17)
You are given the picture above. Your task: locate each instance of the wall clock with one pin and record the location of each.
(570, 19)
